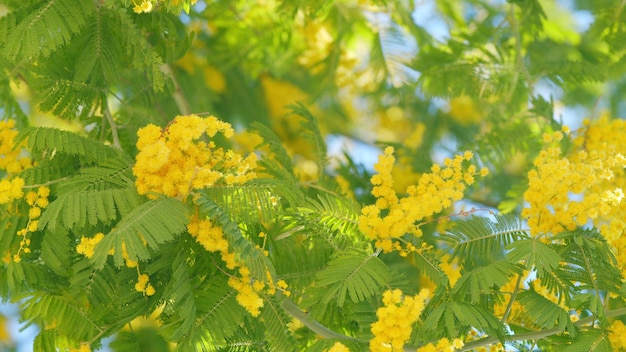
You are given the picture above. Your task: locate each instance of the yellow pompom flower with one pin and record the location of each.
(88, 244)
(617, 335)
(338, 347)
(175, 160)
(393, 327)
(391, 217)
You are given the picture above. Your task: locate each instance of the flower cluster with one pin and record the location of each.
(617, 335)
(12, 159)
(174, 160)
(211, 237)
(556, 177)
(37, 201)
(86, 247)
(581, 187)
(338, 347)
(393, 327)
(443, 345)
(391, 217)
(11, 190)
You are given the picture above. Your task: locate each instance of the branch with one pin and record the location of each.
(537, 335)
(294, 311)
(111, 121)
(179, 98)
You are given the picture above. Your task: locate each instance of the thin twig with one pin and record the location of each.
(113, 125)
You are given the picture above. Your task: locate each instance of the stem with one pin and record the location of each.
(111, 121)
(294, 311)
(536, 335)
(509, 307)
(179, 97)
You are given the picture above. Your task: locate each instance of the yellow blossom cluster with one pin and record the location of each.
(617, 335)
(392, 217)
(88, 244)
(174, 160)
(607, 139)
(584, 186)
(143, 285)
(11, 190)
(37, 201)
(393, 327)
(516, 312)
(443, 345)
(557, 177)
(338, 347)
(12, 159)
(86, 247)
(211, 237)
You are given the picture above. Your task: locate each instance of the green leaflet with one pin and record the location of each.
(50, 141)
(155, 222)
(32, 37)
(275, 320)
(252, 257)
(479, 240)
(88, 208)
(453, 317)
(333, 213)
(247, 201)
(70, 314)
(484, 280)
(546, 313)
(352, 273)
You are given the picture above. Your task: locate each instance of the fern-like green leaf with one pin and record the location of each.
(589, 341)
(275, 145)
(108, 174)
(47, 170)
(534, 254)
(352, 273)
(483, 280)
(478, 240)
(48, 26)
(275, 319)
(50, 141)
(54, 93)
(546, 313)
(71, 315)
(182, 299)
(313, 135)
(333, 213)
(454, 318)
(592, 262)
(251, 256)
(56, 249)
(141, 54)
(427, 262)
(218, 312)
(155, 222)
(82, 208)
(246, 202)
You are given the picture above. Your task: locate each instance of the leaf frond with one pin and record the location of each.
(354, 274)
(154, 222)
